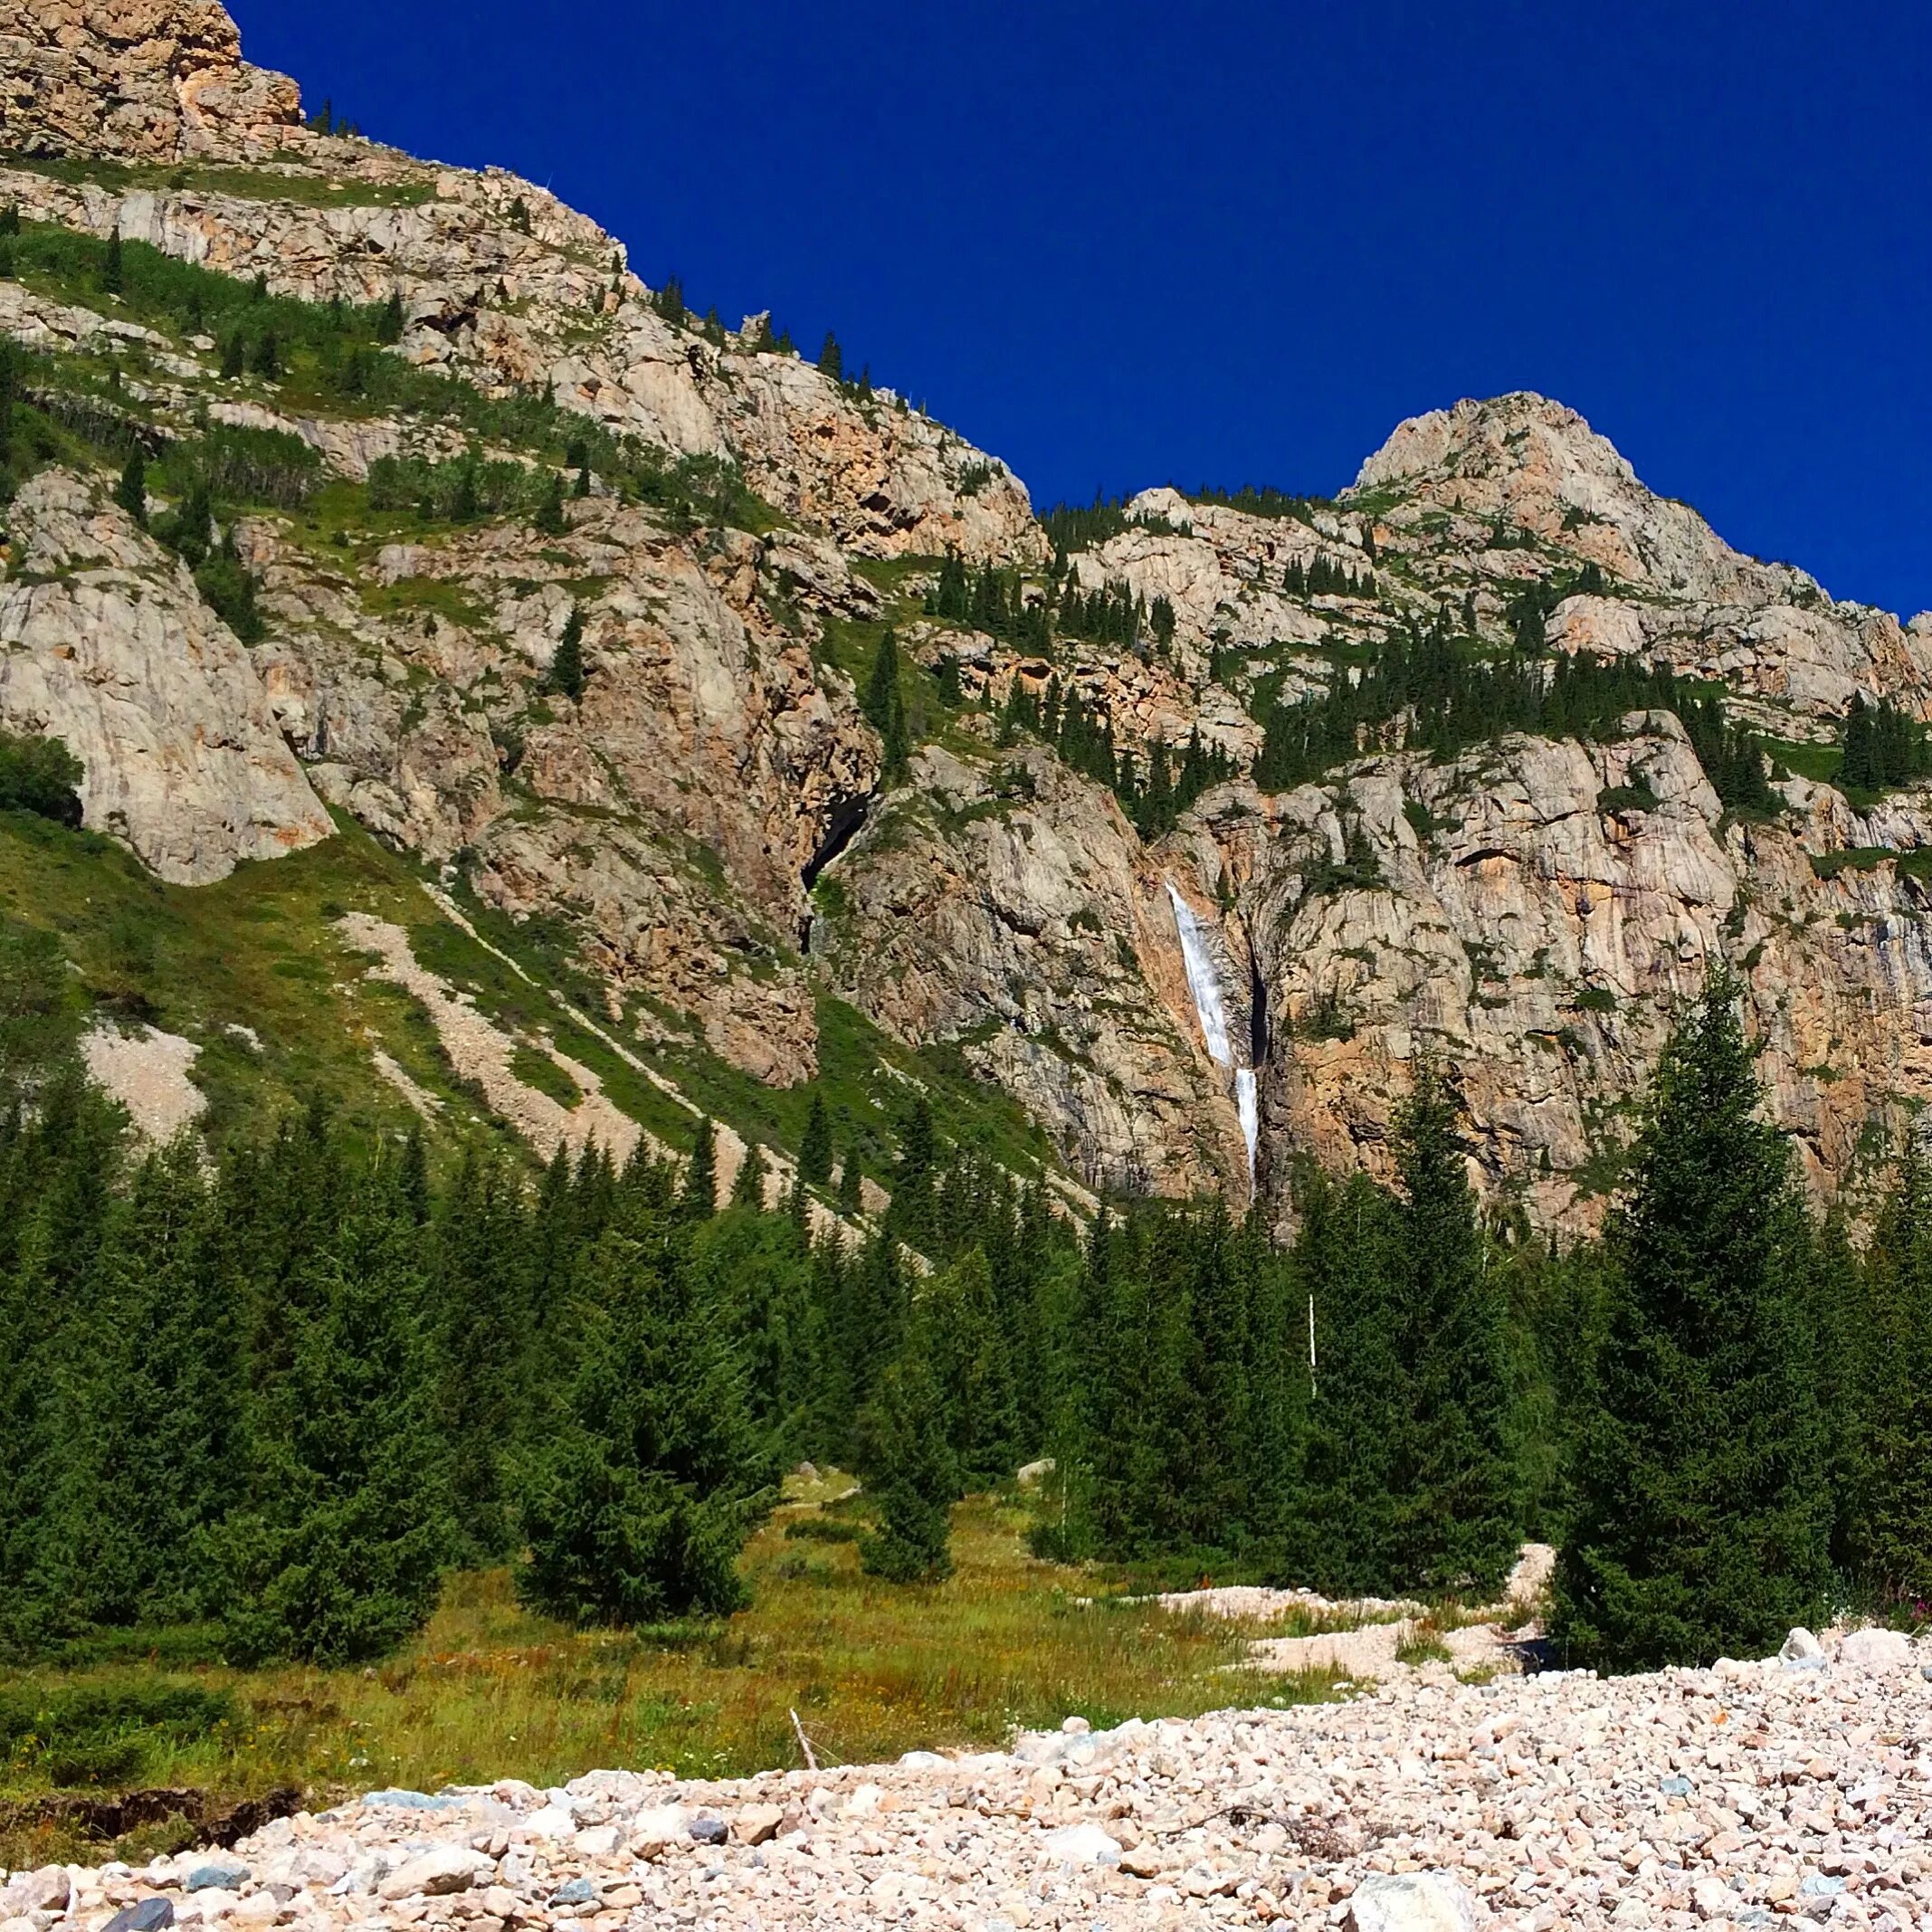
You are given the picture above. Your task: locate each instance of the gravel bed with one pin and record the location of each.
(1747, 1794)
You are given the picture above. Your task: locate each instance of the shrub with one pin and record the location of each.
(40, 776)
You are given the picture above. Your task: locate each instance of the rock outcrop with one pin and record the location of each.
(105, 643)
(143, 80)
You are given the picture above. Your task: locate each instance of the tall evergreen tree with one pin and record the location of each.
(831, 359)
(339, 1555)
(1887, 1386)
(814, 1145)
(643, 1498)
(1457, 1513)
(566, 674)
(1703, 1515)
(699, 1197)
(132, 492)
(910, 1470)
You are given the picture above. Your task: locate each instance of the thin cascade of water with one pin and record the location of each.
(1211, 1007)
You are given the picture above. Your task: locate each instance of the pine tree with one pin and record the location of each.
(884, 706)
(831, 359)
(389, 324)
(132, 492)
(747, 1189)
(699, 1197)
(1890, 1492)
(814, 1145)
(1702, 1518)
(963, 1338)
(911, 1470)
(1457, 1521)
(567, 675)
(235, 352)
(267, 357)
(483, 1316)
(339, 1555)
(644, 1496)
(550, 520)
(113, 272)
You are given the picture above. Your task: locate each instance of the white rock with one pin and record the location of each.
(554, 1821)
(1082, 1844)
(1411, 1901)
(1801, 1651)
(654, 1831)
(596, 1841)
(445, 1869)
(1875, 1650)
(1714, 1899)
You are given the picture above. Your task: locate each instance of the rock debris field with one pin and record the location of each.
(1749, 1794)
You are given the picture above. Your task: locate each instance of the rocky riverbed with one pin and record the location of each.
(1747, 1794)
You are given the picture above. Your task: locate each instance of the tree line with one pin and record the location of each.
(1436, 688)
(279, 1390)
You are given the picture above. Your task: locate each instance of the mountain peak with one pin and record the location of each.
(1496, 436)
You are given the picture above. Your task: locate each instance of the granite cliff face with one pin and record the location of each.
(722, 833)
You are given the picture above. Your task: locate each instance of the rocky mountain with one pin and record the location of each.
(572, 601)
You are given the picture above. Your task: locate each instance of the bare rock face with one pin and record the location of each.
(105, 644)
(146, 80)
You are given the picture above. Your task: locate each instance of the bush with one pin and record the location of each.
(40, 776)
(102, 1733)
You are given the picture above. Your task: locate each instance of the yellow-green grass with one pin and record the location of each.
(872, 1670)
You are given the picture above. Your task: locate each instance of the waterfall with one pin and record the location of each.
(1211, 1007)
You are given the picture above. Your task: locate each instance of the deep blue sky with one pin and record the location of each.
(1123, 243)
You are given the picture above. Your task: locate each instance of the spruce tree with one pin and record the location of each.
(748, 1188)
(911, 1470)
(550, 520)
(852, 1182)
(832, 358)
(1457, 1517)
(113, 272)
(234, 353)
(389, 324)
(698, 1196)
(484, 1322)
(1889, 1485)
(961, 1333)
(567, 675)
(132, 492)
(1703, 1514)
(814, 1145)
(339, 1556)
(643, 1497)
(884, 707)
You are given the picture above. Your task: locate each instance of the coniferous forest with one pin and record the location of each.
(282, 1389)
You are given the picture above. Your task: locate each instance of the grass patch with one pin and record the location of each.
(258, 950)
(538, 1070)
(242, 184)
(872, 1670)
(1424, 1644)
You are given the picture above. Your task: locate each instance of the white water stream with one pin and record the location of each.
(1211, 1007)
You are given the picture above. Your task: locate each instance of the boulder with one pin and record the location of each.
(1411, 1901)
(45, 1891)
(1082, 1844)
(1876, 1651)
(147, 1915)
(1802, 1652)
(434, 1873)
(217, 1873)
(755, 1824)
(655, 1830)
